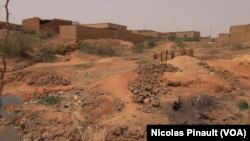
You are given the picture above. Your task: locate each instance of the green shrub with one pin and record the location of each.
(207, 46)
(84, 65)
(50, 100)
(18, 44)
(214, 51)
(243, 105)
(60, 49)
(32, 32)
(236, 46)
(47, 33)
(185, 39)
(104, 50)
(150, 43)
(47, 54)
(143, 61)
(180, 42)
(138, 48)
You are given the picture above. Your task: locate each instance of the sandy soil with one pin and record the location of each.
(96, 104)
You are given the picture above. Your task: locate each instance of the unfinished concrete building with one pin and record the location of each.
(240, 34)
(37, 25)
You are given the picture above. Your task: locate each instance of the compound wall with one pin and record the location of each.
(240, 34)
(77, 32)
(37, 25)
(223, 39)
(32, 24)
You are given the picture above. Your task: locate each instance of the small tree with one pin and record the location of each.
(5, 47)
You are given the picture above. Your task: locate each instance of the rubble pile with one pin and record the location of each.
(126, 133)
(224, 74)
(149, 84)
(50, 79)
(31, 125)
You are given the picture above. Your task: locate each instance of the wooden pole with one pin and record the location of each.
(161, 56)
(172, 54)
(166, 55)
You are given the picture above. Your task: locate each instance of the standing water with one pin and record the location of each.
(9, 133)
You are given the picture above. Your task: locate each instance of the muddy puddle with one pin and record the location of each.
(9, 133)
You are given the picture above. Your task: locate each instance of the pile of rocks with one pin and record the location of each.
(51, 79)
(224, 74)
(149, 84)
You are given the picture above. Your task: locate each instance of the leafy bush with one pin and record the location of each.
(180, 42)
(236, 46)
(105, 50)
(138, 48)
(143, 61)
(185, 39)
(214, 51)
(18, 44)
(150, 43)
(50, 100)
(47, 33)
(207, 46)
(84, 65)
(47, 54)
(60, 49)
(243, 105)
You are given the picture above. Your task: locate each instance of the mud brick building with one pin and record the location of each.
(37, 25)
(223, 38)
(240, 34)
(149, 33)
(188, 34)
(206, 39)
(12, 26)
(185, 34)
(110, 26)
(98, 31)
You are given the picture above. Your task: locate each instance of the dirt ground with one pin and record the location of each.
(97, 102)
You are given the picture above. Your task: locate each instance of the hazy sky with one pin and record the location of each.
(160, 15)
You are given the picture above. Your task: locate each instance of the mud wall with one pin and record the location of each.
(36, 24)
(32, 24)
(240, 34)
(107, 26)
(82, 32)
(68, 32)
(223, 39)
(55, 24)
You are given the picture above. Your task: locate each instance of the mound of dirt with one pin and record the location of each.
(149, 84)
(185, 63)
(126, 133)
(27, 124)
